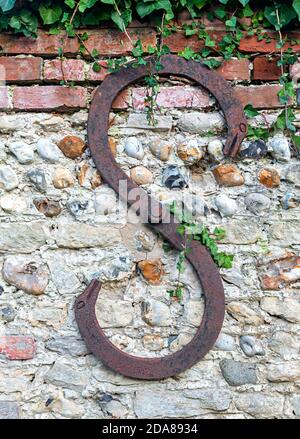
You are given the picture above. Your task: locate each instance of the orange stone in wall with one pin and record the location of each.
(152, 270)
(72, 146)
(228, 175)
(269, 177)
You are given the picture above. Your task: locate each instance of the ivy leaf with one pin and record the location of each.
(286, 14)
(7, 5)
(296, 6)
(296, 140)
(220, 12)
(15, 23)
(146, 8)
(231, 22)
(250, 111)
(187, 53)
(87, 4)
(244, 2)
(50, 15)
(70, 3)
(96, 67)
(200, 3)
(247, 11)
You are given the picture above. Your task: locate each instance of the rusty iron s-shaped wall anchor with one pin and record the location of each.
(199, 257)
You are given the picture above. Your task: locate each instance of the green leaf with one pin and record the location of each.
(220, 12)
(50, 15)
(296, 6)
(187, 53)
(7, 5)
(87, 4)
(70, 3)
(231, 22)
(250, 111)
(247, 11)
(219, 233)
(96, 67)
(296, 140)
(15, 23)
(286, 14)
(244, 2)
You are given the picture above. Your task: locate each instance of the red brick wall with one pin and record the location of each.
(33, 71)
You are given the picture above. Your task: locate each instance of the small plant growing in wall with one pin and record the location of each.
(189, 230)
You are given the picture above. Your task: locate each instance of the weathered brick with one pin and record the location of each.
(49, 98)
(106, 41)
(122, 101)
(235, 69)
(68, 70)
(112, 42)
(17, 347)
(4, 101)
(173, 97)
(44, 44)
(98, 76)
(252, 44)
(260, 96)
(266, 69)
(21, 69)
(178, 41)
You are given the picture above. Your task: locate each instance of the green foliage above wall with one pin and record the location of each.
(24, 16)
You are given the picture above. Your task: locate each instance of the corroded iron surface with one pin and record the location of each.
(199, 257)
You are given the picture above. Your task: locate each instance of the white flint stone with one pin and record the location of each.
(280, 148)
(134, 148)
(48, 150)
(225, 205)
(8, 178)
(22, 151)
(215, 149)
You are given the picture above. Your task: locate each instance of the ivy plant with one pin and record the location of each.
(189, 230)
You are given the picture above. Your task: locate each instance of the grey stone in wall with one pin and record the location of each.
(77, 236)
(152, 403)
(237, 373)
(9, 410)
(259, 405)
(22, 237)
(211, 399)
(65, 376)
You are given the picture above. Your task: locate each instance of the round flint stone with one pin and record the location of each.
(173, 179)
(254, 150)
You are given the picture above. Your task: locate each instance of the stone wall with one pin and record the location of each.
(60, 226)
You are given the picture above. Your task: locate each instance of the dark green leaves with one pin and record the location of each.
(7, 5)
(296, 140)
(50, 15)
(296, 6)
(147, 7)
(250, 111)
(244, 2)
(281, 16)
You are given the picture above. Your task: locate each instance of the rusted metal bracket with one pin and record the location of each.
(199, 257)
